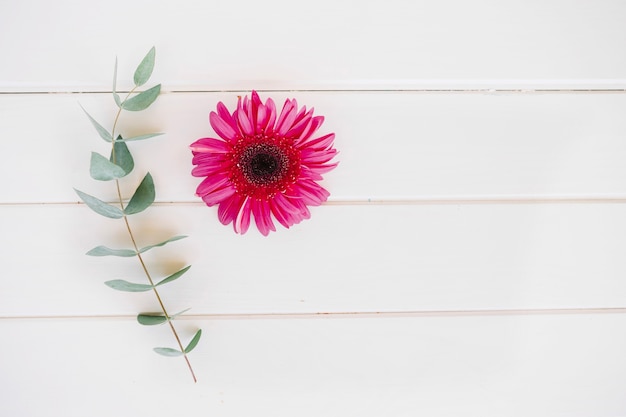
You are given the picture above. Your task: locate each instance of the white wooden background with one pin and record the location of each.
(470, 261)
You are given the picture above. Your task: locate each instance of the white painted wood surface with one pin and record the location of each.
(470, 259)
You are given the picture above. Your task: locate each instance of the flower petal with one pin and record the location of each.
(262, 217)
(287, 117)
(316, 122)
(242, 221)
(320, 143)
(310, 192)
(221, 127)
(209, 145)
(229, 208)
(218, 195)
(212, 183)
(244, 122)
(271, 110)
(300, 124)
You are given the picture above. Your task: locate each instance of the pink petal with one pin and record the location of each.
(242, 221)
(210, 184)
(218, 195)
(244, 122)
(310, 192)
(209, 145)
(319, 143)
(304, 212)
(229, 208)
(221, 127)
(223, 112)
(316, 122)
(300, 125)
(206, 170)
(262, 217)
(308, 156)
(322, 168)
(261, 119)
(271, 110)
(286, 213)
(287, 117)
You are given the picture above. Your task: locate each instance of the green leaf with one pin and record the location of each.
(120, 156)
(104, 134)
(121, 285)
(172, 239)
(144, 70)
(143, 197)
(194, 341)
(104, 251)
(116, 96)
(141, 137)
(100, 206)
(102, 169)
(167, 351)
(151, 319)
(117, 99)
(173, 277)
(142, 100)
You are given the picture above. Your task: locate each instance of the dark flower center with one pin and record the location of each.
(263, 164)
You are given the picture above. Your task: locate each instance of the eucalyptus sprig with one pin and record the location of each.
(119, 164)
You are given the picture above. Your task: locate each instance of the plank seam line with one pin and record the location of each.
(363, 90)
(350, 315)
(391, 201)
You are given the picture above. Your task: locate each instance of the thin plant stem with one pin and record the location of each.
(136, 248)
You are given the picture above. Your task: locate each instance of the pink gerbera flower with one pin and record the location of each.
(264, 164)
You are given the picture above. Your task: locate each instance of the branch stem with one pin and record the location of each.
(136, 248)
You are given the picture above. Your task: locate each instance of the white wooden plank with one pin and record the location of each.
(392, 145)
(327, 44)
(345, 259)
(437, 366)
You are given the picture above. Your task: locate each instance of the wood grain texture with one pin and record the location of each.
(473, 366)
(329, 44)
(345, 259)
(469, 262)
(393, 146)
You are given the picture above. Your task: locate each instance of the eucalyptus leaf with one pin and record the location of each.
(143, 197)
(172, 239)
(102, 169)
(104, 251)
(120, 156)
(174, 276)
(142, 137)
(100, 206)
(117, 99)
(142, 100)
(167, 351)
(144, 70)
(194, 341)
(121, 285)
(104, 134)
(151, 319)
